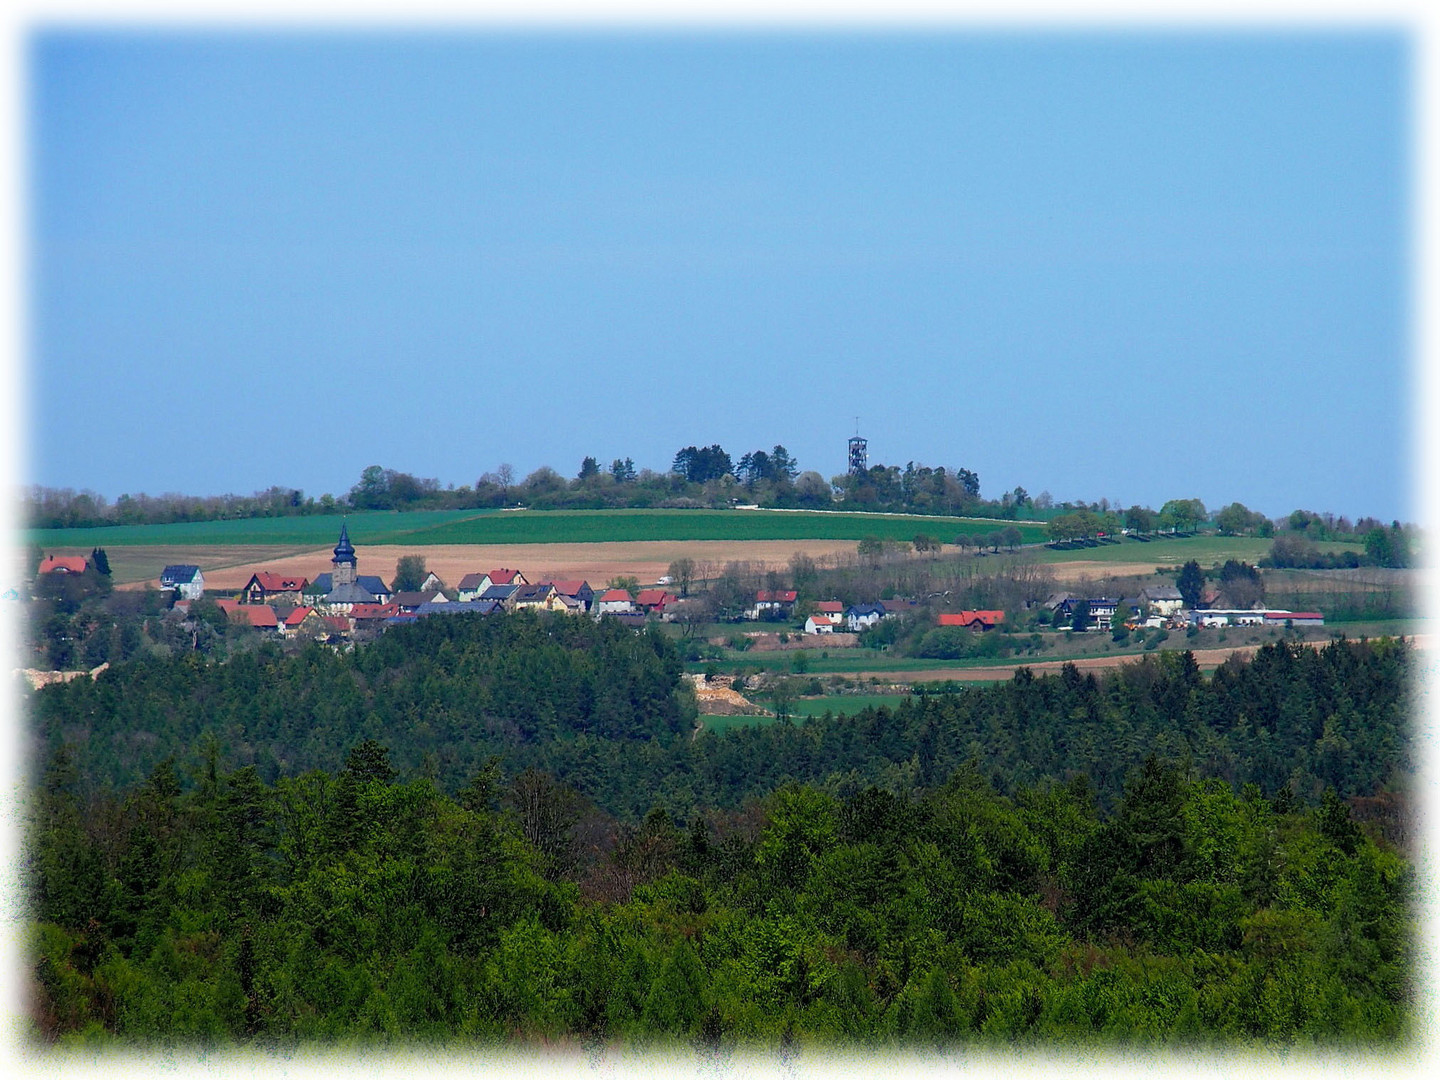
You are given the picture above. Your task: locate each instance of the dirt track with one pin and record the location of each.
(596, 563)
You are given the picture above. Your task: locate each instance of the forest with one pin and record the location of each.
(483, 831)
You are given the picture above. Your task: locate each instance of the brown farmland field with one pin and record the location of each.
(228, 568)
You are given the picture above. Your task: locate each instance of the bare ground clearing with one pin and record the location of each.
(231, 567)
(1079, 568)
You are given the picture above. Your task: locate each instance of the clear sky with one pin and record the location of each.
(1140, 266)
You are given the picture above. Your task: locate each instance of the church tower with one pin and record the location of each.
(344, 561)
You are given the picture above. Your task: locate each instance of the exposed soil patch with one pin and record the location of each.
(718, 697)
(772, 642)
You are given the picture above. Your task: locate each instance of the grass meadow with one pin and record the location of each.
(802, 709)
(530, 527)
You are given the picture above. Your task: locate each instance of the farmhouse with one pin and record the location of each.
(537, 597)
(471, 586)
(258, 616)
(267, 588)
(62, 564)
(776, 604)
(409, 601)
(654, 601)
(862, 616)
(972, 620)
(1161, 599)
(500, 594)
(187, 581)
(614, 602)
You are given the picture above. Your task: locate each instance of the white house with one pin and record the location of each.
(862, 616)
(820, 624)
(187, 581)
(613, 602)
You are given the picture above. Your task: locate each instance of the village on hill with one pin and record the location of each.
(342, 606)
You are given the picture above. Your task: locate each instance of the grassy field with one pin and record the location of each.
(1174, 551)
(530, 527)
(837, 704)
(304, 533)
(1058, 647)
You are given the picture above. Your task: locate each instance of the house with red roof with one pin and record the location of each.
(63, 564)
(972, 620)
(297, 619)
(265, 587)
(773, 604)
(614, 602)
(540, 597)
(507, 577)
(829, 607)
(370, 616)
(257, 616)
(654, 600)
(820, 623)
(576, 590)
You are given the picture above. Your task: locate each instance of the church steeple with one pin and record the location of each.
(344, 560)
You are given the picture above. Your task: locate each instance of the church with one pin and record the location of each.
(343, 588)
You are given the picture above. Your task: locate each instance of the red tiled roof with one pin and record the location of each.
(765, 596)
(821, 619)
(471, 581)
(503, 577)
(654, 598)
(280, 582)
(70, 564)
(260, 616)
(337, 623)
(614, 594)
(296, 617)
(830, 607)
(970, 618)
(566, 588)
(374, 611)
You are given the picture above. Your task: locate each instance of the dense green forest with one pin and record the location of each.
(603, 709)
(508, 829)
(354, 907)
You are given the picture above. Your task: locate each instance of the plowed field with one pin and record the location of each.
(230, 567)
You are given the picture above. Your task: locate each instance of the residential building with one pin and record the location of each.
(187, 581)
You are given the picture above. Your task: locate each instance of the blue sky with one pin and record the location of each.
(1140, 266)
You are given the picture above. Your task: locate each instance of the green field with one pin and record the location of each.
(377, 527)
(837, 704)
(532, 527)
(851, 661)
(1173, 551)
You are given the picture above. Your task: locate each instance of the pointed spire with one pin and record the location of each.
(344, 550)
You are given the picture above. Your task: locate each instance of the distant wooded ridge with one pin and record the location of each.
(698, 478)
